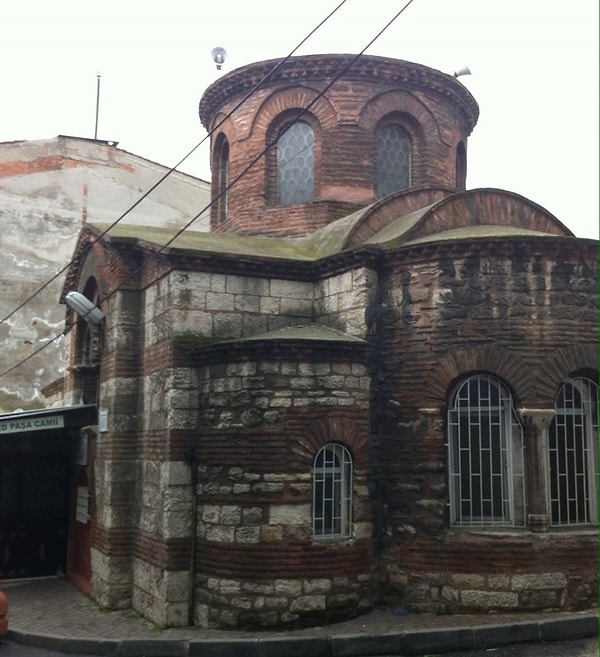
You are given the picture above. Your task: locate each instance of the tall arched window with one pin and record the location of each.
(482, 425)
(296, 164)
(332, 492)
(572, 458)
(461, 166)
(222, 177)
(393, 159)
(88, 349)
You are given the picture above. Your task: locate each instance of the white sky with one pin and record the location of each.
(534, 63)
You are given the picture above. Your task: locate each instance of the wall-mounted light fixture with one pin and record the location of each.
(85, 308)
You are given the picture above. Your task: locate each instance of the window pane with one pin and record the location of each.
(570, 453)
(295, 165)
(393, 160)
(480, 427)
(332, 490)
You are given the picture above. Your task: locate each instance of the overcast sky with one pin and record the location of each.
(534, 64)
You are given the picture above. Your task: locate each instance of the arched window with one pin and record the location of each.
(461, 166)
(572, 441)
(296, 164)
(482, 428)
(332, 492)
(222, 177)
(88, 349)
(393, 159)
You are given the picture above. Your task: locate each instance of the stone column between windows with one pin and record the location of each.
(536, 422)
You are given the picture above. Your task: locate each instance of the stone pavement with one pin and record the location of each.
(50, 613)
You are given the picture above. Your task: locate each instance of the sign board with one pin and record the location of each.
(32, 424)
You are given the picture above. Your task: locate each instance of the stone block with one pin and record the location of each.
(289, 514)
(176, 585)
(176, 524)
(252, 515)
(219, 534)
(271, 534)
(230, 515)
(499, 582)
(538, 581)
(291, 289)
(486, 600)
(176, 614)
(540, 599)
(467, 581)
(288, 587)
(318, 585)
(362, 530)
(247, 535)
(175, 473)
(210, 513)
(229, 586)
(308, 603)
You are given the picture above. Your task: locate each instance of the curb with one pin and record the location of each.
(409, 643)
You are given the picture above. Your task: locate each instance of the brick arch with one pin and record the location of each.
(393, 102)
(225, 124)
(297, 98)
(490, 358)
(562, 363)
(333, 429)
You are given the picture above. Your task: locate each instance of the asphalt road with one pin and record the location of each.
(579, 648)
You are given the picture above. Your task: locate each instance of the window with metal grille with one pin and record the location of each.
(332, 492)
(572, 443)
(486, 481)
(393, 159)
(296, 164)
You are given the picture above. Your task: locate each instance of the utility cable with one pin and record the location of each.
(243, 172)
(175, 167)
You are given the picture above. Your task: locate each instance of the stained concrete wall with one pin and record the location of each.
(48, 189)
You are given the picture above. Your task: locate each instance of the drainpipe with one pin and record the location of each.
(191, 460)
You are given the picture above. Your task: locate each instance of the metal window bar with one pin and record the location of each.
(480, 425)
(332, 492)
(571, 454)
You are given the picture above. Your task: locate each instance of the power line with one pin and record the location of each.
(176, 166)
(246, 169)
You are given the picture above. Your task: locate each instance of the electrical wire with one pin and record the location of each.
(181, 161)
(226, 189)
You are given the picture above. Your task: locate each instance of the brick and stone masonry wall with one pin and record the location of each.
(435, 110)
(262, 424)
(514, 311)
(209, 411)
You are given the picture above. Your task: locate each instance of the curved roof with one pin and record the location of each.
(427, 214)
(244, 80)
(406, 218)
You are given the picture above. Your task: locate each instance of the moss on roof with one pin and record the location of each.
(316, 332)
(300, 333)
(216, 243)
(470, 232)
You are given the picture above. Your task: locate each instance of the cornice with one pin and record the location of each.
(310, 68)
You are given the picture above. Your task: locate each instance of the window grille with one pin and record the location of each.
(393, 159)
(296, 164)
(332, 492)
(572, 440)
(484, 435)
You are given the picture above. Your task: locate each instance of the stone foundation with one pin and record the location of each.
(470, 592)
(232, 603)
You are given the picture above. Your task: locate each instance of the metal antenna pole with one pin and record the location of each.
(97, 104)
